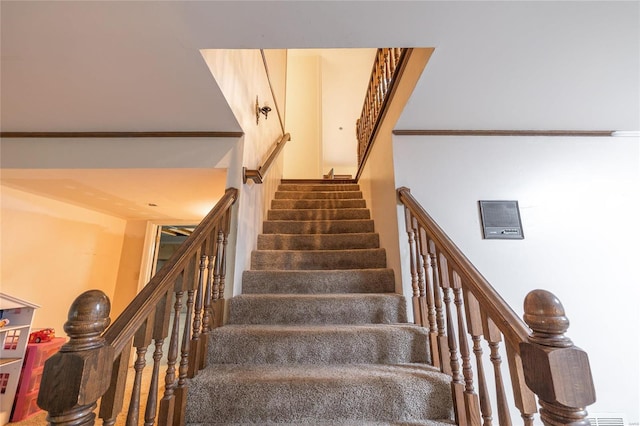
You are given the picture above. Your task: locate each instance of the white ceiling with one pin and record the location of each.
(158, 194)
(136, 66)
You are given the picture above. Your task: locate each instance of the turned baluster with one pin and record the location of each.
(412, 263)
(474, 320)
(217, 278)
(494, 337)
(420, 258)
(160, 332)
(433, 330)
(523, 398)
(223, 265)
(206, 315)
(443, 346)
(457, 384)
(77, 376)
(471, 402)
(167, 404)
(112, 401)
(388, 68)
(383, 73)
(556, 371)
(185, 348)
(141, 342)
(196, 343)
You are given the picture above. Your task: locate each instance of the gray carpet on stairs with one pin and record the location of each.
(302, 393)
(379, 280)
(341, 344)
(318, 337)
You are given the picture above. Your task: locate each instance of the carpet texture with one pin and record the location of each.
(318, 337)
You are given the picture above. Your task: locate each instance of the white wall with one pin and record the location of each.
(303, 155)
(345, 77)
(579, 202)
(241, 76)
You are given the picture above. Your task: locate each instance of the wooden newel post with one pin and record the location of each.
(77, 376)
(554, 369)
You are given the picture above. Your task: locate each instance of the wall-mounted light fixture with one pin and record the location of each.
(265, 110)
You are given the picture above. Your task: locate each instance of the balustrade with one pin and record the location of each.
(181, 303)
(462, 313)
(387, 64)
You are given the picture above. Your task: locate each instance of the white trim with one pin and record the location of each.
(626, 133)
(146, 263)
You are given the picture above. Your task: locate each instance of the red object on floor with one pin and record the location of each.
(44, 335)
(25, 403)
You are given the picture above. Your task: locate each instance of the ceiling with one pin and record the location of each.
(158, 194)
(125, 66)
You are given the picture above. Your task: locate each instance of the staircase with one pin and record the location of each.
(318, 335)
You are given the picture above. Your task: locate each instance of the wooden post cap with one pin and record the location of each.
(74, 378)
(87, 319)
(554, 369)
(544, 314)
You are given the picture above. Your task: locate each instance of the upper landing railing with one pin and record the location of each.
(387, 67)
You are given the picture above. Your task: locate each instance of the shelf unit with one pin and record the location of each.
(14, 337)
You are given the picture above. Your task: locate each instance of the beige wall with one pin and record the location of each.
(345, 77)
(276, 60)
(378, 180)
(129, 266)
(241, 76)
(303, 155)
(53, 251)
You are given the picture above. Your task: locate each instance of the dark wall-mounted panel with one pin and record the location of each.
(501, 220)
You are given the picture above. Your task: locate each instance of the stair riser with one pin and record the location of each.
(318, 204)
(367, 309)
(342, 345)
(318, 282)
(258, 397)
(317, 227)
(317, 241)
(317, 195)
(314, 259)
(318, 214)
(321, 188)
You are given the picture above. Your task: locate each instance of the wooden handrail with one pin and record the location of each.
(514, 329)
(460, 308)
(257, 175)
(273, 93)
(93, 365)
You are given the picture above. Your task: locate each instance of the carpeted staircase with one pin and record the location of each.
(318, 335)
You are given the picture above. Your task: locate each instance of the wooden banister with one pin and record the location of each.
(94, 364)
(388, 67)
(459, 308)
(257, 175)
(498, 309)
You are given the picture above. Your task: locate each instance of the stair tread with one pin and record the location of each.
(268, 372)
(341, 344)
(318, 204)
(329, 308)
(317, 328)
(391, 392)
(354, 240)
(322, 422)
(379, 280)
